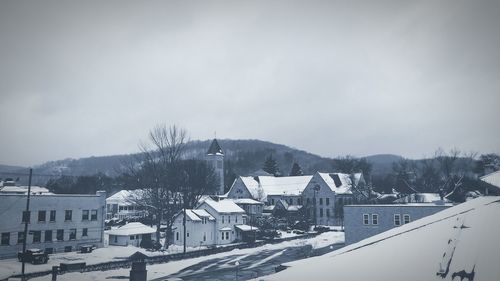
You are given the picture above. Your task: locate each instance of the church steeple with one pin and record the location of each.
(215, 148)
(215, 157)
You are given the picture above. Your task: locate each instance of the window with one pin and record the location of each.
(41, 216)
(272, 201)
(222, 219)
(177, 236)
(72, 234)
(53, 215)
(132, 237)
(85, 232)
(366, 220)
(48, 235)
(321, 201)
(20, 237)
(236, 218)
(320, 212)
(93, 215)
(204, 236)
(60, 235)
(327, 213)
(229, 219)
(406, 218)
(37, 236)
(374, 219)
(68, 215)
(187, 234)
(397, 219)
(85, 215)
(227, 235)
(327, 201)
(5, 238)
(115, 238)
(26, 216)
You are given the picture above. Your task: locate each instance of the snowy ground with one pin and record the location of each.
(162, 270)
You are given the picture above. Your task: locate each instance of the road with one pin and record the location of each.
(250, 266)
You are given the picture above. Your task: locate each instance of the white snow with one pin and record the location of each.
(224, 206)
(464, 236)
(345, 179)
(493, 178)
(161, 270)
(132, 228)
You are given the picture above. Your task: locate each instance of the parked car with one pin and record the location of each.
(321, 229)
(34, 256)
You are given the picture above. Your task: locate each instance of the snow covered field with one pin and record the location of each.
(160, 270)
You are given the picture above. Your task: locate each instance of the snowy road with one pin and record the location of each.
(249, 266)
(222, 266)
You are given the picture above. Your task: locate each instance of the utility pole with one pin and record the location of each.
(26, 217)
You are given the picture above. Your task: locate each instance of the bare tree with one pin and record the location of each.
(156, 175)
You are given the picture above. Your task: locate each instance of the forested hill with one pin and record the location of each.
(242, 157)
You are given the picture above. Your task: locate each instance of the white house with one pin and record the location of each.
(130, 234)
(200, 228)
(227, 215)
(57, 222)
(123, 205)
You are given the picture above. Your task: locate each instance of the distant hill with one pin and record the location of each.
(242, 157)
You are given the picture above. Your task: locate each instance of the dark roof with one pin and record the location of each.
(215, 148)
(138, 256)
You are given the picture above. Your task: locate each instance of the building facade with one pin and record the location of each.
(200, 228)
(363, 221)
(326, 194)
(56, 222)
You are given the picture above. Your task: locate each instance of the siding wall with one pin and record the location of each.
(356, 230)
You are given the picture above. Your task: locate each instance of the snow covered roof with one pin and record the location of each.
(36, 190)
(132, 228)
(225, 228)
(339, 182)
(244, 227)
(421, 198)
(215, 148)
(224, 206)
(246, 201)
(263, 186)
(457, 242)
(493, 178)
(203, 214)
(124, 197)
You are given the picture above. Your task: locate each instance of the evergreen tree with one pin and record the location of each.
(296, 170)
(271, 166)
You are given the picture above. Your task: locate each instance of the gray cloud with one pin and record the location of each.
(364, 77)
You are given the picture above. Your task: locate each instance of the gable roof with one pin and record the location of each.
(223, 206)
(132, 228)
(124, 197)
(462, 238)
(493, 178)
(339, 182)
(215, 148)
(263, 186)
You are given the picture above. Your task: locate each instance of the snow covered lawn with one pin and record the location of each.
(160, 270)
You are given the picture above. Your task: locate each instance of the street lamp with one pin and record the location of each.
(237, 263)
(316, 189)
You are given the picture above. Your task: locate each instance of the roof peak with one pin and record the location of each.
(215, 148)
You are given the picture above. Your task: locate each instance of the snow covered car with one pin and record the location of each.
(34, 256)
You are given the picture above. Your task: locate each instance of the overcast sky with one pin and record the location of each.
(83, 78)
